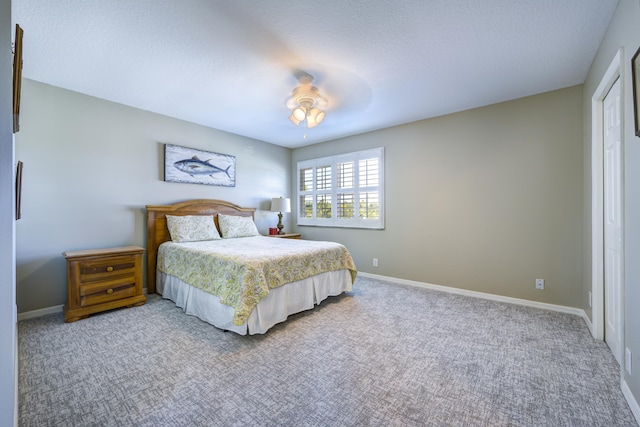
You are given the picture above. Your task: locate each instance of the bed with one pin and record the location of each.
(238, 280)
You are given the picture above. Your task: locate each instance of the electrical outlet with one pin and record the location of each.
(540, 284)
(590, 300)
(627, 361)
(375, 262)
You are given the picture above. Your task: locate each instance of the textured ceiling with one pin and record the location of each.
(231, 65)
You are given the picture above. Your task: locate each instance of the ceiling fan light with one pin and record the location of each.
(294, 120)
(299, 113)
(313, 113)
(312, 118)
(306, 102)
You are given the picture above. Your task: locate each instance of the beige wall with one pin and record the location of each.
(486, 200)
(90, 167)
(623, 32)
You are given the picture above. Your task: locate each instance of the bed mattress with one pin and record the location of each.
(226, 279)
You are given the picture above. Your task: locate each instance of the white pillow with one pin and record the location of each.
(192, 228)
(236, 226)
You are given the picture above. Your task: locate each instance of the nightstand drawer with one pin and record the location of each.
(105, 291)
(103, 269)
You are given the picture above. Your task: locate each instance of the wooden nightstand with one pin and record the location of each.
(102, 279)
(286, 235)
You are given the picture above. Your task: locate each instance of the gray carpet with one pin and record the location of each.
(383, 355)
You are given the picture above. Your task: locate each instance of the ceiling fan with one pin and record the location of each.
(306, 102)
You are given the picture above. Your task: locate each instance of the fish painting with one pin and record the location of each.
(194, 166)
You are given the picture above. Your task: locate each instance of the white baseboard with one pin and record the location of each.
(633, 403)
(49, 310)
(586, 319)
(41, 312)
(475, 294)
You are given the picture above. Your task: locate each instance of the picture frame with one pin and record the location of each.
(19, 190)
(17, 77)
(635, 72)
(193, 166)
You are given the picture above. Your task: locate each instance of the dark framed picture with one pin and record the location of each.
(17, 78)
(635, 72)
(183, 164)
(18, 189)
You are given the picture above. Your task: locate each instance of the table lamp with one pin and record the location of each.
(280, 204)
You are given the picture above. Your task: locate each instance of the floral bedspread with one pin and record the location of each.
(240, 272)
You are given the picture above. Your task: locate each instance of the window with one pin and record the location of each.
(342, 191)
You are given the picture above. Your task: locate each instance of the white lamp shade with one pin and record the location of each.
(294, 120)
(280, 204)
(299, 113)
(315, 117)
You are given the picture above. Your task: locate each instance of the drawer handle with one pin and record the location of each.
(109, 269)
(109, 291)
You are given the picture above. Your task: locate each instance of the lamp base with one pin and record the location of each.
(280, 226)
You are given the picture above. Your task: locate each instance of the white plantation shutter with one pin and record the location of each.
(305, 193)
(345, 190)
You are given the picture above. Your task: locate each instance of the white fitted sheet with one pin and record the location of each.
(281, 302)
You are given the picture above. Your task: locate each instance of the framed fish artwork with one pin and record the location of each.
(183, 164)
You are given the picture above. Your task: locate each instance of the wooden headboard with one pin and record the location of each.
(158, 233)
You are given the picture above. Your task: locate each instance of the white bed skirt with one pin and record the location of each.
(274, 308)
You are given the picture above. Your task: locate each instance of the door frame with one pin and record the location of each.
(613, 73)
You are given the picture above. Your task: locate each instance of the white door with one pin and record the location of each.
(612, 221)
